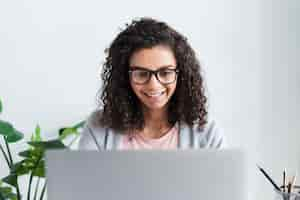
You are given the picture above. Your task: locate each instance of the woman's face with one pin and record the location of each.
(153, 95)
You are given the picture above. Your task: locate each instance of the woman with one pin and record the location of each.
(153, 94)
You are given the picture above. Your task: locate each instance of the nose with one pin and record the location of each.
(153, 82)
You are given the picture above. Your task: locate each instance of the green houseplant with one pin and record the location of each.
(32, 162)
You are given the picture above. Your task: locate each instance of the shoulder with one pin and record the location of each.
(209, 136)
(93, 133)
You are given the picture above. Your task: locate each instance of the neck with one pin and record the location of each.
(156, 123)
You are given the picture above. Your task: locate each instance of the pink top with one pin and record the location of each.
(136, 141)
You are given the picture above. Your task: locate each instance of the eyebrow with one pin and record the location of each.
(162, 67)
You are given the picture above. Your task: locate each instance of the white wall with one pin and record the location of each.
(49, 53)
(281, 87)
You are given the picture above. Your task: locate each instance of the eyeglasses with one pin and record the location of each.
(143, 76)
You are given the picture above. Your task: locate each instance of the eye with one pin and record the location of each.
(165, 73)
(141, 73)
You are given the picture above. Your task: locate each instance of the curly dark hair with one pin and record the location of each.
(121, 107)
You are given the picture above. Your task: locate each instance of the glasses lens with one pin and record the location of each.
(167, 76)
(140, 76)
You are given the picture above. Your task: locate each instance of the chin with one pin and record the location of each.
(155, 107)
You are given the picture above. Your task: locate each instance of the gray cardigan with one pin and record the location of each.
(96, 137)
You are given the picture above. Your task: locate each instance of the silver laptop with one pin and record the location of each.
(146, 175)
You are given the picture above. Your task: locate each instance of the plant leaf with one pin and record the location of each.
(11, 135)
(20, 168)
(11, 196)
(51, 144)
(11, 179)
(28, 165)
(79, 125)
(36, 136)
(5, 190)
(7, 193)
(40, 170)
(32, 153)
(25, 154)
(6, 128)
(67, 132)
(15, 136)
(1, 106)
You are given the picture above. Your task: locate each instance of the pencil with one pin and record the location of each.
(293, 181)
(268, 177)
(289, 187)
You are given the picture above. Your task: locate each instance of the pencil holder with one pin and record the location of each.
(294, 195)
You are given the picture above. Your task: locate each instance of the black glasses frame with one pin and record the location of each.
(155, 73)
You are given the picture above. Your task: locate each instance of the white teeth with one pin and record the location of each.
(155, 94)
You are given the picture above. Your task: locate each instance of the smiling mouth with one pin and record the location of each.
(154, 94)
